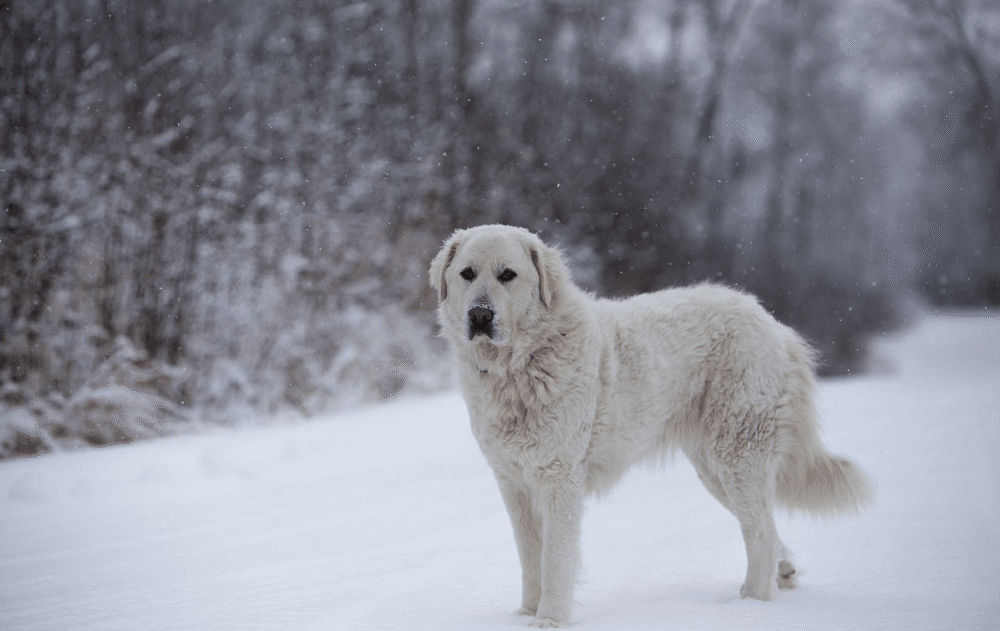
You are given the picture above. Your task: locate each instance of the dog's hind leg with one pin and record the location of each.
(751, 499)
(787, 578)
(710, 480)
(741, 507)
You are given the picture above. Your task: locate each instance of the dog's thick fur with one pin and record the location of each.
(566, 392)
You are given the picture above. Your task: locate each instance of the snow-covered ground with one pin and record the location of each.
(388, 518)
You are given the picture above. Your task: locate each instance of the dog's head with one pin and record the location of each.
(494, 281)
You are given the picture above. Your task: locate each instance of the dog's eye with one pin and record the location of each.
(507, 275)
(467, 274)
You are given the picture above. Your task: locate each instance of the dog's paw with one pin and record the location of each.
(757, 594)
(787, 578)
(544, 623)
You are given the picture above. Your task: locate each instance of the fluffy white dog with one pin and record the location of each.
(567, 392)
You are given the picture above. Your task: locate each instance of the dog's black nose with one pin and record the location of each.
(480, 322)
(480, 317)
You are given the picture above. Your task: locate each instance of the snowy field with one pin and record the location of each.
(388, 519)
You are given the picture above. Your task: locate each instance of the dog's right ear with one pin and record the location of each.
(441, 262)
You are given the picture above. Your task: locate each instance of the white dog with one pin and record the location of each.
(566, 392)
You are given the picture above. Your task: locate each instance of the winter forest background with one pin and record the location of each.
(224, 211)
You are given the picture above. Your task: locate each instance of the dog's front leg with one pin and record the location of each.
(560, 502)
(528, 537)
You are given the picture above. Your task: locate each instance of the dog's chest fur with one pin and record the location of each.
(531, 413)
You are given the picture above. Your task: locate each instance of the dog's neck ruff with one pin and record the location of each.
(489, 359)
(508, 362)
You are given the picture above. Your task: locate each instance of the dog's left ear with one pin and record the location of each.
(551, 271)
(441, 262)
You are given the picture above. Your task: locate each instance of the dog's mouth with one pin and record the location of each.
(480, 321)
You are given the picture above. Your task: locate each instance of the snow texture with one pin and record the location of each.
(388, 518)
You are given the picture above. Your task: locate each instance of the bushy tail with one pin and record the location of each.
(823, 484)
(810, 478)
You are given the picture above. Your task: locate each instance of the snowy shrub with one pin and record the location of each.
(127, 398)
(21, 433)
(314, 365)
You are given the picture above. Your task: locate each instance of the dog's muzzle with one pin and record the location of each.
(480, 322)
